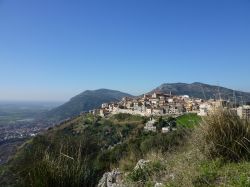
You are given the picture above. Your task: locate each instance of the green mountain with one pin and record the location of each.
(89, 100)
(84, 102)
(203, 91)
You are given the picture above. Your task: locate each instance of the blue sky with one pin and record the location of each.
(55, 49)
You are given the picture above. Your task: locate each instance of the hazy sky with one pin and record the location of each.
(55, 49)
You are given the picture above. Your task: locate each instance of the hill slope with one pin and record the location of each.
(78, 152)
(203, 91)
(81, 151)
(85, 101)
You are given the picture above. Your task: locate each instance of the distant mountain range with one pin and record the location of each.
(203, 91)
(89, 100)
(83, 102)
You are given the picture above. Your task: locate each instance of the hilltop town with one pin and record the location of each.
(160, 104)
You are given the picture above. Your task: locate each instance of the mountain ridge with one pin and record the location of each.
(91, 99)
(203, 91)
(83, 102)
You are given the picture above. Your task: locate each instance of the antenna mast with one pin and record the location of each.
(203, 92)
(242, 101)
(218, 85)
(235, 99)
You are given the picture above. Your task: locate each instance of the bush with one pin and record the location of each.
(224, 135)
(208, 173)
(68, 164)
(164, 142)
(127, 117)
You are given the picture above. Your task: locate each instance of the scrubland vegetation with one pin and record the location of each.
(213, 151)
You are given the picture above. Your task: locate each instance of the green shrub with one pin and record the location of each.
(127, 117)
(208, 173)
(164, 142)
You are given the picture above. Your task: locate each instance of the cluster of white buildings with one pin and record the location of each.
(211, 105)
(150, 127)
(242, 111)
(159, 104)
(151, 104)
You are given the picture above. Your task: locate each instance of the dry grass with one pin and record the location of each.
(224, 135)
(205, 159)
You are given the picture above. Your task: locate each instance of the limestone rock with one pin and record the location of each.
(141, 164)
(111, 179)
(158, 184)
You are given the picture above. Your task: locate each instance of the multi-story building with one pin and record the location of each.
(244, 112)
(204, 109)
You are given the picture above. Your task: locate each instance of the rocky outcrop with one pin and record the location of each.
(111, 179)
(115, 177)
(158, 184)
(141, 164)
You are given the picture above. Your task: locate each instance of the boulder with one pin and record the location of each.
(141, 164)
(111, 179)
(158, 184)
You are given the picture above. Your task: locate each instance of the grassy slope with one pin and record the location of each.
(188, 120)
(175, 158)
(78, 152)
(188, 166)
